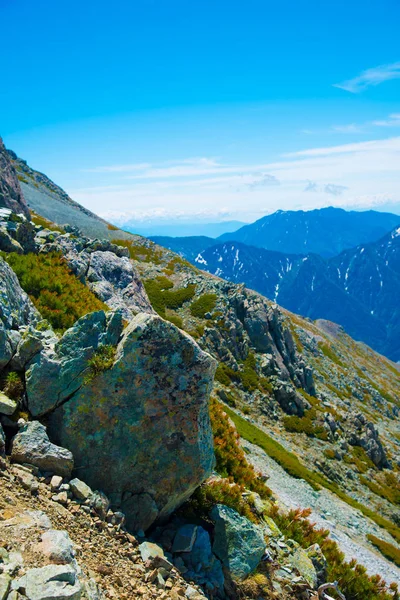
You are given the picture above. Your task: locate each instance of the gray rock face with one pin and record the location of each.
(140, 430)
(32, 446)
(16, 312)
(114, 280)
(10, 191)
(59, 371)
(238, 543)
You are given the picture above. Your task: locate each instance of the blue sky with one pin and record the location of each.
(177, 109)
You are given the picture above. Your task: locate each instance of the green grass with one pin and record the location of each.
(162, 296)
(294, 467)
(202, 305)
(388, 550)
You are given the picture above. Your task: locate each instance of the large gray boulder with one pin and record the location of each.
(32, 446)
(140, 430)
(238, 543)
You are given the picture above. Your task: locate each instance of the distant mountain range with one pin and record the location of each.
(327, 231)
(358, 288)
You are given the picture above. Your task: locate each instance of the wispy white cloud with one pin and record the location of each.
(370, 77)
(335, 190)
(392, 121)
(350, 128)
(329, 188)
(360, 174)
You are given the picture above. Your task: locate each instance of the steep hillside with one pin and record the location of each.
(326, 231)
(50, 201)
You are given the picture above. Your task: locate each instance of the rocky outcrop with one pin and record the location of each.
(104, 267)
(10, 192)
(363, 433)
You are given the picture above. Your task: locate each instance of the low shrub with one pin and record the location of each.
(55, 291)
(305, 424)
(203, 305)
(162, 296)
(352, 578)
(102, 360)
(13, 386)
(175, 319)
(111, 227)
(45, 223)
(218, 491)
(231, 460)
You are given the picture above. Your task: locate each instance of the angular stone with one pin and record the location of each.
(303, 564)
(79, 489)
(53, 582)
(2, 440)
(184, 538)
(55, 482)
(5, 581)
(150, 550)
(7, 406)
(142, 424)
(31, 445)
(57, 547)
(238, 543)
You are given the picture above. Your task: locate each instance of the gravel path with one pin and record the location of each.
(348, 526)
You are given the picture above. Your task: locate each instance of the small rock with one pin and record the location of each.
(79, 489)
(55, 482)
(7, 406)
(150, 550)
(57, 547)
(61, 498)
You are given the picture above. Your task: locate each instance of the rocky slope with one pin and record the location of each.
(125, 392)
